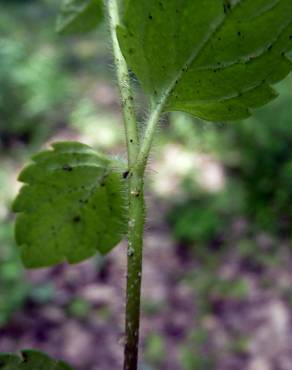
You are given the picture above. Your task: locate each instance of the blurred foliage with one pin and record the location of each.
(99, 126)
(44, 76)
(13, 288)
(265, 163)
(34, 85)
(203, 217)
(257, 159)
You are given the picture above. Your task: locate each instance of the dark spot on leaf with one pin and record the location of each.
(126, 174)
(76, 219)
(226, 6)
(83, 201)
(150, 17)
(67, 167)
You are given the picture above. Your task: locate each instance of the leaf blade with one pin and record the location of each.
(71, 206)
(207, 56)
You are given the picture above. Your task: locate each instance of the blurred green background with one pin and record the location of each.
(217, 290)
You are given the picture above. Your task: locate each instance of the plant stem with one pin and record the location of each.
(136, 200)
(134, 273)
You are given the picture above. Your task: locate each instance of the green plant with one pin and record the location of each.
(200, 57)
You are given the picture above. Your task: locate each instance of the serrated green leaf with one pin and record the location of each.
(31, 360)
(72, 205)
(215, 59)
(79, 16)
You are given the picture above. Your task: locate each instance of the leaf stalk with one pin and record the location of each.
(148, 136)
(124, 83)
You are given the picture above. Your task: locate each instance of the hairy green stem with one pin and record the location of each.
(148, 136)
(137, 160)
(136, 200)
(134, 273)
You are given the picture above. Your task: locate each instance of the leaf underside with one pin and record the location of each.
(79, 16)
(31, 360)
(215, 59)
(72, 205)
